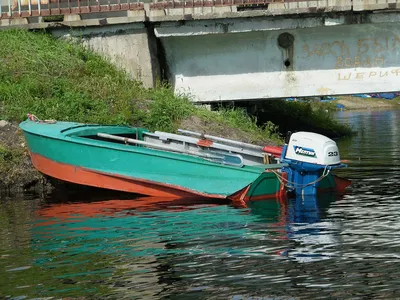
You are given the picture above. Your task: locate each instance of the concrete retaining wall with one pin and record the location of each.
(129, 47)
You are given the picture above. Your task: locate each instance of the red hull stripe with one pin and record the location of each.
(341, 183)
(117, 182)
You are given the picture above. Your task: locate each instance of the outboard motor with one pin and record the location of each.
(310, 157)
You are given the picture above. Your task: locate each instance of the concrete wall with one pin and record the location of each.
(130, 47)
(129, 51)
(219, 53)
(344, 59)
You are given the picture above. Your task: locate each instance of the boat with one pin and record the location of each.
(186, 164)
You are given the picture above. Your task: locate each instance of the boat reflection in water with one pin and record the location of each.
(137, 240)
(151, 220)
(305, 222)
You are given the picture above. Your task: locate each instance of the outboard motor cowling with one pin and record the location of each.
(310, 157)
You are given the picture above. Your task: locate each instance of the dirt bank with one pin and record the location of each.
(16, 170)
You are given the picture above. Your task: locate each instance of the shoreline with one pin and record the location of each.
(17, 174)
(358, 103)
(81, 86)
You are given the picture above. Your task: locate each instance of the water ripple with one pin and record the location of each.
(332, 247)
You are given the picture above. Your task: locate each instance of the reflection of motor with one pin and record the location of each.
(316, 237)
(310, 157)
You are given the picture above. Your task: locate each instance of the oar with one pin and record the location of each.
(223, 158)
(274, 150)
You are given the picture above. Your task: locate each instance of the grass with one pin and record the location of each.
(238, 118)
(307, 115)
(56, 79)
(352, 103)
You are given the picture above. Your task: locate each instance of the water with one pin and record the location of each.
(333, 247)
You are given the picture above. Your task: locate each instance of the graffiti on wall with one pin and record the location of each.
(371, 53)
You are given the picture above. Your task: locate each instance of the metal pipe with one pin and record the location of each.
(195, 140)
(220, 139)
(166, 148)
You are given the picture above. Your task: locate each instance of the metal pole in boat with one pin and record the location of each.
(215, 157)
(220, 139)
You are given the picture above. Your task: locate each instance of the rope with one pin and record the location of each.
(33, 118)
(286, 182)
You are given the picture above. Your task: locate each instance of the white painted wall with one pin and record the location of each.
(343, 59)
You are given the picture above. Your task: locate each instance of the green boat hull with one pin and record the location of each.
(72, 152)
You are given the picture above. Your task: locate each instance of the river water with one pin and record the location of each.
(333, 247)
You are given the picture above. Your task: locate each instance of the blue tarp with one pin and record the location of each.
(387, 96)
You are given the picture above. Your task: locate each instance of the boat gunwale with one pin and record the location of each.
(257, 169)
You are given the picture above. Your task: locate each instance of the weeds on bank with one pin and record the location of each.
(238, 118)
(308, 115)
(61, 80)
(9, 158)
(56, 79)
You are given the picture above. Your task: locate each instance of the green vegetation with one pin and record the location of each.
(56, 79)
(304, 115)
(352, 103)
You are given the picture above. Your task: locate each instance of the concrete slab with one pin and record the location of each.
(206, 27)
(367, 5)
(19, 21)
(343, 59)
(5, 22)
(72, 18)
(128, 46)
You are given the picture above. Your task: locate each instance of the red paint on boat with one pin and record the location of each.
(241, 197)
(110, 207)
(274, 150)
(341, 183)
(117, 182)
(205, 143)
